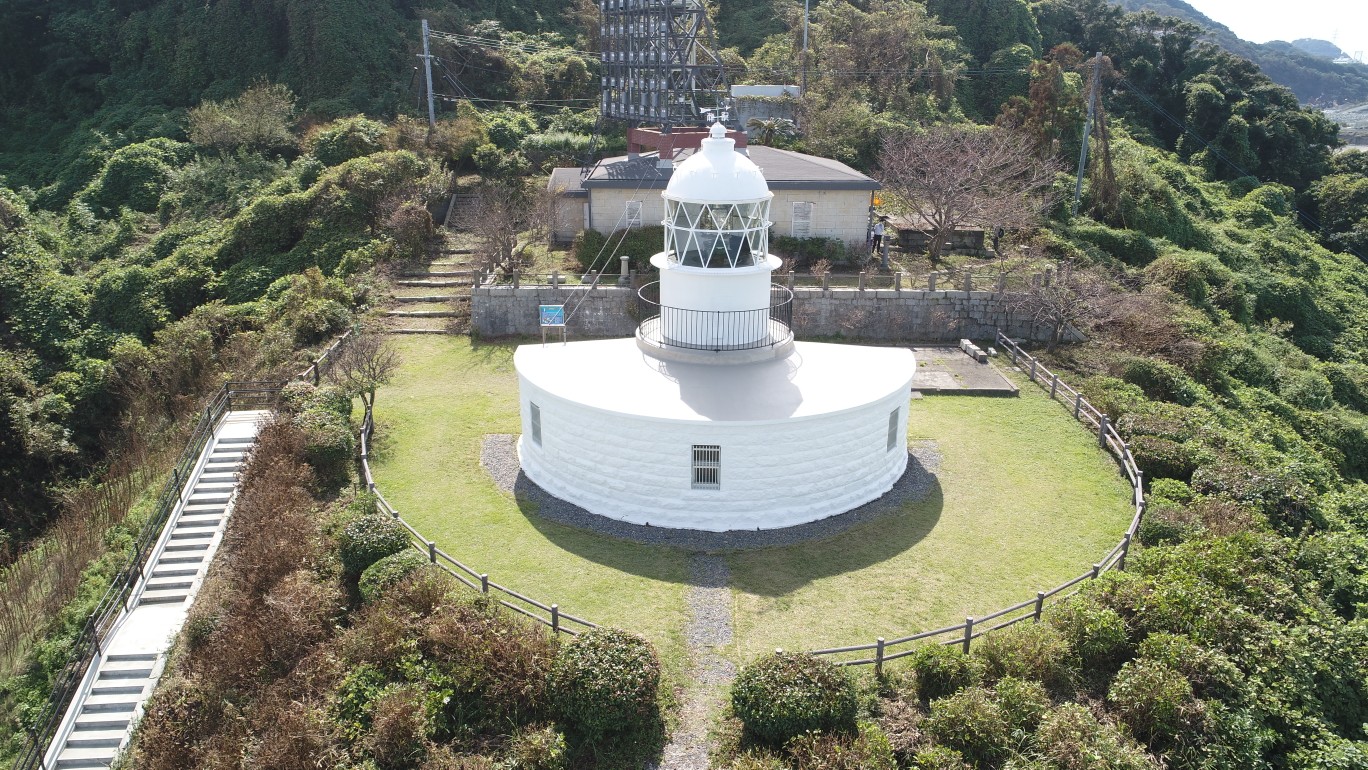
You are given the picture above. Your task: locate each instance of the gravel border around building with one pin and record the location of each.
(499, 458)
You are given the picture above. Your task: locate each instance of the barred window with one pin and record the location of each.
(633, 213)
(536, 423)
(892, 430)
(802, 219)
(707, 466)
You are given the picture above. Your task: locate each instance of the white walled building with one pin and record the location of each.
(713, 417)
(813, 197)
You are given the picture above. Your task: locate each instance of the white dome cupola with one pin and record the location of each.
(717, 208)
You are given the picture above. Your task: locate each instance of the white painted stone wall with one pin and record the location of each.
(774, 474)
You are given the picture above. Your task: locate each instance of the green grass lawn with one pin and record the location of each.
(1025, 500)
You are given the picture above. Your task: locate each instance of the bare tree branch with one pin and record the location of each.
(503, 212)
(363, 365)
(1074, 298)
(953, 176)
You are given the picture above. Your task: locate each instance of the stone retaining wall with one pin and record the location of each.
(873, 316)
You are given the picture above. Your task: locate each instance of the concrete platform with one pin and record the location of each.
(948, 370)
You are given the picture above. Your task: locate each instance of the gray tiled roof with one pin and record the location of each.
(566, 181)
(783, 169)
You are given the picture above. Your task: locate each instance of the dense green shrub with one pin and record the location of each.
(1164, 524)
(1023, 702)
(972, 723)
(340, 141)
(1153, 699)
(785, 694)
(799, 254)
(388, 571)
(940, 758)
(1162, 381)
(538, 747)
(328, 446)
(1160, 458)
(867, 749)
(1211, 673)
(943, 671)
(1096, 633)
(604, 681)
(592, 249)
(1129, 246)
(369, 539)
(1033, 651)
(1071, 738)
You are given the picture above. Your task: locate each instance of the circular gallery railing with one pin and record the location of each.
(715, 330)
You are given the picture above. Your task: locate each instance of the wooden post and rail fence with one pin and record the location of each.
(264, 395)
(883, 650)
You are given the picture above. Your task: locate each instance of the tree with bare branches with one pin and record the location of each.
(507, 217)
(951, 176)
(1074, 298)
(361, 366)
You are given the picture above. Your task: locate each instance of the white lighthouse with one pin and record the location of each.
(713, 418)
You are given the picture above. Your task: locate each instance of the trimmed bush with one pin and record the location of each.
(972, 723)
(1152, 699)
(1129, 246)
(783, 695)
(1023, 702)
(604, 681)
(1095, 633)
(388, 571)
(868, 749)
(943, 671)
(940, 758)
(1071, 738)
(1160, 458)
(1034, 651)
(369, 539)
(639, 243)
(328, 446)
(1211, 673)
(538, 747)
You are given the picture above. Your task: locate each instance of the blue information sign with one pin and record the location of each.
(552, 315)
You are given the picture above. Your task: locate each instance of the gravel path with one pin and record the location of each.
(709, 598)
(499, 457)
(710, 627)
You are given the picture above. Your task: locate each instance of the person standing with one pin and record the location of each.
(879, 227)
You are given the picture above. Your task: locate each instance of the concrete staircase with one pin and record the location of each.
(101, 717)
(434, 299)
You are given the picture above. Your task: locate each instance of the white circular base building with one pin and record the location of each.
(701, 446)
(713, 418)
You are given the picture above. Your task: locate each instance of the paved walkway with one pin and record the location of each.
(100, 718)
(950, 370)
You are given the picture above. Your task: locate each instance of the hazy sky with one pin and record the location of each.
(1344, 22)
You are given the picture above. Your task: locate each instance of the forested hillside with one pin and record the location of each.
(1311, 76)
(191, 191)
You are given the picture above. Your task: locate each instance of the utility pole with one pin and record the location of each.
(427, 72)
(805, 45)
(1087, 130)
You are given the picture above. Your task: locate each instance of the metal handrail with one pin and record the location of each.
(90, 641)
(716, 330)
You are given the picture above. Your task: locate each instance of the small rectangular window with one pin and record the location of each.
(707, 466)
(536, 423)
(634, 213)
(802, 219)
(892, 430)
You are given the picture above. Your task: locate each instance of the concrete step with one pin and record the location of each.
(73, 758)
(169, 560)
(118, 689)
(423, 313)
(108, 704)
(130, 670)
(435, 283)
(210, 523)
(417, 298)
(420, 331)
(185, 547)
(438, 273)
(77, 758)
(191, 536)
(214, 477)
(92, 739)
(170, 584)
(134, 657)
(209, 497)
(98, 721)
(171, 572)
(236, 440)
(171, 596)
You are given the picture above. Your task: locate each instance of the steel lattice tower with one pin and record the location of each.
(659, 62)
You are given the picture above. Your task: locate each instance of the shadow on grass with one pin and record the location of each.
(872, 533)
